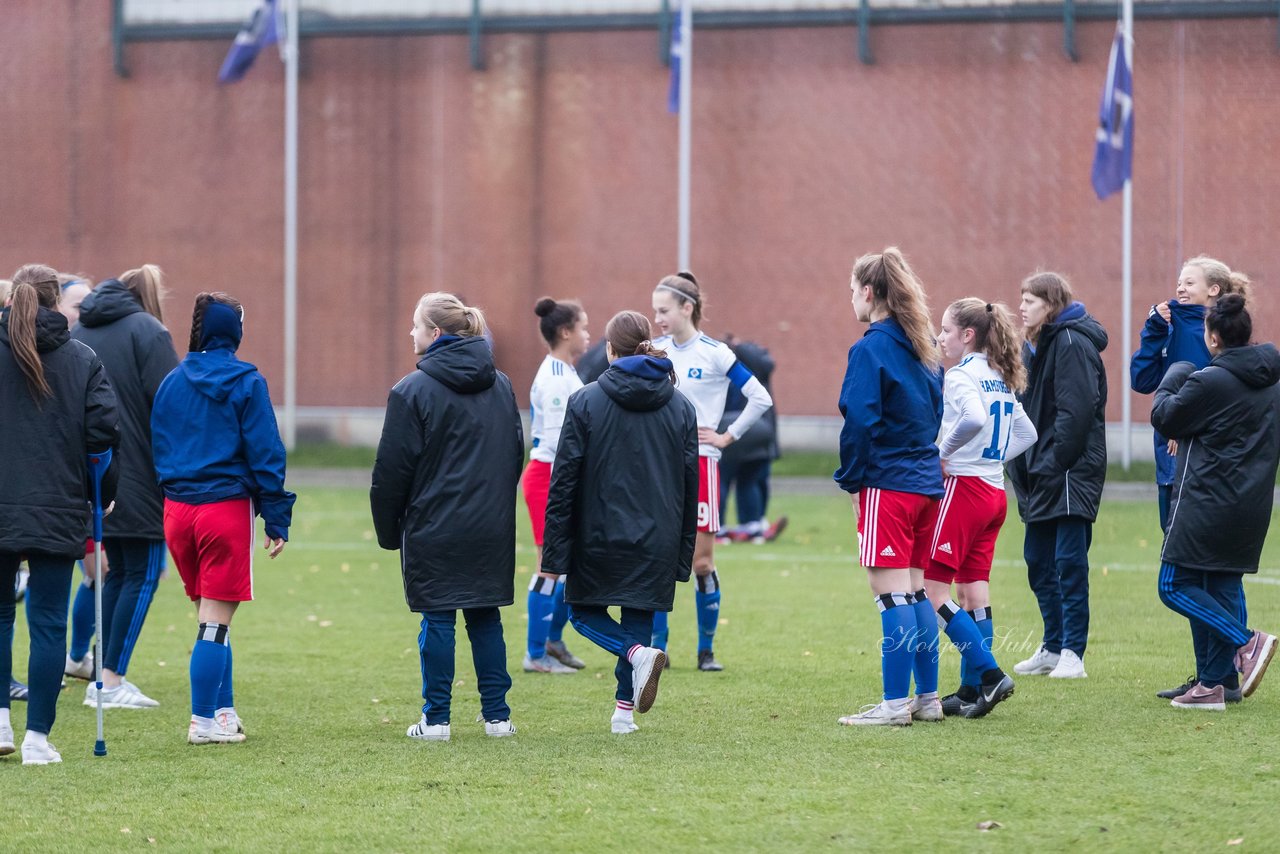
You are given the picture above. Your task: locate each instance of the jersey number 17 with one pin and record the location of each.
(995, 451)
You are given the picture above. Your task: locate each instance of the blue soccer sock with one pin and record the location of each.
(965, 634)
(541, 608)
(927, 648)
(208, 663)
(560, 614)
(982, 617)
(659, 629)
(226, 689)
(898, 626)
(708, 602)
(81, 623)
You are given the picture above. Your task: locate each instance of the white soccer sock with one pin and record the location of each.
(4, 717)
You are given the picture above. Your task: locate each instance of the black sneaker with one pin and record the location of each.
(707, 661)
(1179, 691)
(1232, 695)
(988, 697)
(951, 705)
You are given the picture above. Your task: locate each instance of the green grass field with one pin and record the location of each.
(750, 759)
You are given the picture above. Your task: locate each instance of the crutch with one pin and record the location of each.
(98, 464)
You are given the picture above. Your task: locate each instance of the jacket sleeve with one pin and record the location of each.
(1146, 368)
(156, 359)
(860, 404)
(399, 450)
(264, 452)
(562, 496)
(1075, 385)
(689, 528)
(102, 425)
(1181, 409)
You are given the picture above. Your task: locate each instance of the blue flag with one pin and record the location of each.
(677, 51)
(261, 30)
(1113, 157)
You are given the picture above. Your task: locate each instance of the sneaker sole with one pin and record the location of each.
(200, 739)
(1268, 652)
(852, 720)
(41, 761)
(6, 749)
(649, 691)
(1204, 707)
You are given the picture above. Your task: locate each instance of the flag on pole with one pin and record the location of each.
(677, 51)
(1113, 157)
(262, 29)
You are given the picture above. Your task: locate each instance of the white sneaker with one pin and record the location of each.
(82, 669)
(1069, 667)
(1039, 664)
(6, 740)
(229, 720)
(124, 696)
(880, 714)
(545, 664)
(499, 729)
(646, 668)
(212, 733)
(622, 722)
(429, 732)
(926, 710)
(39, 754)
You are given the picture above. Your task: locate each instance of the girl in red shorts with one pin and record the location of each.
(220, 462)
(983, 424)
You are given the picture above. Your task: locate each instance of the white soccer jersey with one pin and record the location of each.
(704, 368)
(983, 424)
(555, 381)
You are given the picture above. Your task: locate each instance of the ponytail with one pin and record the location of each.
(895, 286)
(629, 334)
(147, 284)
(447, 313)
(1217, 273)
(34, 285)
(993, 335)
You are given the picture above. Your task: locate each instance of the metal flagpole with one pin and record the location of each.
(1127, 254)
(686, 126)
(291, 227)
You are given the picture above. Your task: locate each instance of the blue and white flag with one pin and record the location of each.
(264, 28)
(677, 52)
(1113, 157)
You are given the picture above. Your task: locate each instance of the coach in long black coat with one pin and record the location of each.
(623, 507)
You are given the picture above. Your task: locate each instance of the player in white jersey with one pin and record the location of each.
(704, 368)
(563, 325)
(983, 424)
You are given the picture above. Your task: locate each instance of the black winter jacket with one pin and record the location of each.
(1066, 399)
(44, 480)
(444, 484)
(138, 354)
(760, 442)
(622, 512)
(1226, 418)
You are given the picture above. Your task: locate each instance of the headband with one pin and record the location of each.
(677, 292)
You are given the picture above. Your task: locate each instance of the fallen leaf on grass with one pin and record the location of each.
(324, 624)
(984, 826)
(1235, 841)
(125, 830)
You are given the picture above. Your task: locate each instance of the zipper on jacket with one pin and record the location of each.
(1068, 473)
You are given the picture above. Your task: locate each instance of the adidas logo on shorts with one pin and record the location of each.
(945, 548)
(888, 552)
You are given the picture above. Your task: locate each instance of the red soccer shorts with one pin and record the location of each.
(212, 545)
(895, 529)
(536, 483)
(708, 495)
(964, 540)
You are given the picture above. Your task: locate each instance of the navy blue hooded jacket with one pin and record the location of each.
(214, 436)
(892, 408)
(1161, 345)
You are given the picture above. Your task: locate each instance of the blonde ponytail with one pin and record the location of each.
(894, 285)
(447, 313)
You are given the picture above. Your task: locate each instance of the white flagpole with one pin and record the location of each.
(291, 226)
(686, 126)
(1127, 289)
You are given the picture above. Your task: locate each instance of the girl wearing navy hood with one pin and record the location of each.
(891, 401)
(220, 463)
(444, 495)
(1059, 480)
(622, 513)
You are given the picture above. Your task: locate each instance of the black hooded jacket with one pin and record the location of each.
(760, 442)
(138, 354)
(1226, 418)
(44, 480)
(444, 484)
(622, 512)
(1066, 399)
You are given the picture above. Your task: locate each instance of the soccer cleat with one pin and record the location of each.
(1069, 667)
(1202, 698)
(775, 530)
(926, 710)
(124, 696)
(546, 664)
(6, 740)
(82, 669)
(17, 691)
(622, 723)
(228, 719)
(707, 661)
(499, 729)
(879, 714)
(951, 705)
(1254, 658)
(39, 754)
(647, 665)
(1039, 664)
(428, 732)
(214, 732)
(988, 697)
(560, 652)
(1172, 693)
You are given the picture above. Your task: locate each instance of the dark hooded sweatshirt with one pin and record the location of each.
(444, 484)
(44, 481)
(1226, 418)
(622, 511)
(138, 354)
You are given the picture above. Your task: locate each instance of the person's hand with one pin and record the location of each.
(708, 436)
(1172, 447)
(273, 547)
(1164, 311)
(110, 507)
